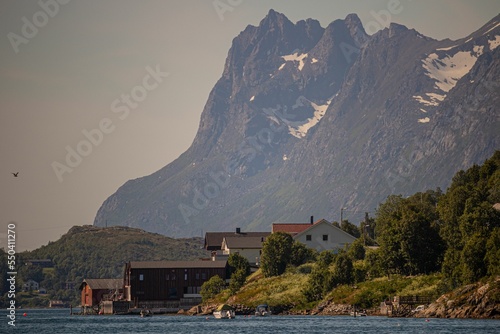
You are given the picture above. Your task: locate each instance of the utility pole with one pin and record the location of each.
(367, 225)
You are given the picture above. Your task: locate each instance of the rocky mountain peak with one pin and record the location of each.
(305, 120)
(275, 20)
(356, 29)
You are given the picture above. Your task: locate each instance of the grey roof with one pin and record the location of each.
(177, 264)
(247, 242)
(103, 283)
(213, 240)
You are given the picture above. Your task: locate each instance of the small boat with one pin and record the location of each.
(262, 310)
(146, 313)
(358, 314)
(224, 311)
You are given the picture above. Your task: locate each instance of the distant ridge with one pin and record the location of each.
(94, 252)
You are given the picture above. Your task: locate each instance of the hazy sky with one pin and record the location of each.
(124, 83)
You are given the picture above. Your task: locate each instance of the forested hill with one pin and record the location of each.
(457, 232)
(93, 252)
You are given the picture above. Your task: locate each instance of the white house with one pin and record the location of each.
(321, 235)
(30, 285)
(248, 247)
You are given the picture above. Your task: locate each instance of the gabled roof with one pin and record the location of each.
(294, 228)
(213, 240)
(324, 221)
(243, 243)
(103, 283)
(176, 264)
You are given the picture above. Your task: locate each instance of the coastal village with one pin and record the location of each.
(173, 286)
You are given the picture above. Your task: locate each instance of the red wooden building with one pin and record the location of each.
(94, 290)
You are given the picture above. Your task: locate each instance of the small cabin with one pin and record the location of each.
(95, 290)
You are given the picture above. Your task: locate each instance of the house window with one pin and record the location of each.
(308, 237)
(185, 276)
(325, 237)
(172, 293)
(197, 275)
(141, 277)
(203, 275)
(167, 277)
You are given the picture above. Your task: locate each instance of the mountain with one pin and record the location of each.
(307, 120)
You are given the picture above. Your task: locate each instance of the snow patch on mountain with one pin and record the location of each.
(449, 69)
(297, 128)
(424, 120)
(446, 69)
(446, 49)
(296, 58)
(433, 99)
(494, 43)
(496, 25)
(300, 129)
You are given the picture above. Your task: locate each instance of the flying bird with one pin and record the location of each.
(15, 174)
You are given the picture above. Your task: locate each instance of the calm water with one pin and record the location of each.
(59, 321)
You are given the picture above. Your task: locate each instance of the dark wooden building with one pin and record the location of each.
(94, 290)
(163, 281)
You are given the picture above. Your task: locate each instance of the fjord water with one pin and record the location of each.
(60, 321)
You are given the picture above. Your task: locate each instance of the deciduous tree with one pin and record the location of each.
(276, 254)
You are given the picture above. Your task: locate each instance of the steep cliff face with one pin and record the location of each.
(306, 120)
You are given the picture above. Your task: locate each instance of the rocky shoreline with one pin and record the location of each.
(324, 308)
(476, 301)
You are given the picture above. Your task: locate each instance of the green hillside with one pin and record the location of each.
(94, 252)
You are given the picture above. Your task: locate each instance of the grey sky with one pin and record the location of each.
(71, 73)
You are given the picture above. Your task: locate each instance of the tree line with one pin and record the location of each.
(455, 233)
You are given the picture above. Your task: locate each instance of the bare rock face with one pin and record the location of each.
(480, 300)
(305, 120)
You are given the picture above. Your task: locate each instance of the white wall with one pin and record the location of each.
(337, 238)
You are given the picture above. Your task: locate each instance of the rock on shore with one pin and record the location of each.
(479, 300)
